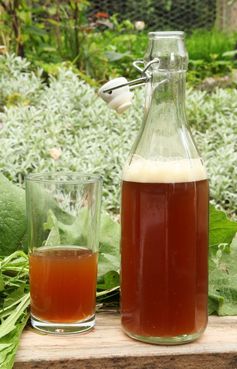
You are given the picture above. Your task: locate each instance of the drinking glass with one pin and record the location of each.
(63, 214)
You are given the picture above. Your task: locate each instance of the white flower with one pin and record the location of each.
(55, 153)
(139, 25)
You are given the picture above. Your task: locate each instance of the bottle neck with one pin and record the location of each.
(164, 135)
(164, 132)
(165, 99)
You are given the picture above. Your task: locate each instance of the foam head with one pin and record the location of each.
(164, 171)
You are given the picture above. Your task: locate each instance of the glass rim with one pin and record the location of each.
(66, 177)
(166, 34)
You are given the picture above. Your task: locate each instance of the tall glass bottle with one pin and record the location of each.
(164, 211)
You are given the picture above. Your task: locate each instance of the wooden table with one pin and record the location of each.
(107, 347)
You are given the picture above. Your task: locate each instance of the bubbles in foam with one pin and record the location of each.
(164, 171)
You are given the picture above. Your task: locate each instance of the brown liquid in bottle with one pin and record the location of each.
(164, 246)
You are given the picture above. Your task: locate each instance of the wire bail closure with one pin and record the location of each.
(139, 81)
(116, 92)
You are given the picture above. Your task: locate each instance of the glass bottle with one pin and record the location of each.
(164, 211)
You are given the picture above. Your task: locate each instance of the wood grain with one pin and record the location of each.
(107, 347)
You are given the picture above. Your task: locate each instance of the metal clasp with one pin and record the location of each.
(146, 76)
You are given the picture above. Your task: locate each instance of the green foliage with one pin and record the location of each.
(9, 343)
(213, 121)
(18, 85)
(207, 56)
(14, 301)
(123, 26)
(222, 264)
(221, 230)
(37, 27)
(222, 299)
(210, 45)
(12, 216)
(59, 31)
(67, 115)
(51, 33)
(109, 257)
(222, 295)
(210, 53)
(200, 69)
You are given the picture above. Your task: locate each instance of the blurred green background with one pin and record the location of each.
(102, 38)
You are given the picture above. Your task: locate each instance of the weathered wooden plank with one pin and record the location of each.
(107, 347)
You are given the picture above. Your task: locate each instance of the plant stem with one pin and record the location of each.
(11, 9)
(76, 34)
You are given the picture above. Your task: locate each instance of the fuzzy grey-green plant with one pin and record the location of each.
(65, 126)
(214, 119)
(17, 83)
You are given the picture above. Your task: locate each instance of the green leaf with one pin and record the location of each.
(114, 56)
(109, 250)
(53, 22)
(9, 343)
(214, 301)
(222, 296)
(17, 260)
(14, 304)
(107, 262)
(109, 235)
(2, 284)
(9, 324)
(43, 203)
(52, 10)
(37, 31)
(48, 49)
(231, 53)
(221, 229)
(75, 233)
(14, 296)
(223, 282)
(12, 216)
(109, 281)
(52, 225)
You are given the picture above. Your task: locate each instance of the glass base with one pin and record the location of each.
(173, 340)
(63, 328)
